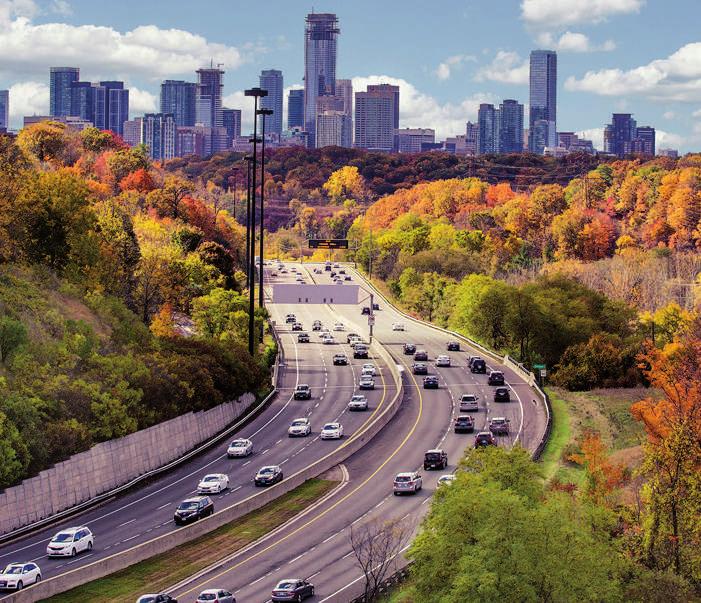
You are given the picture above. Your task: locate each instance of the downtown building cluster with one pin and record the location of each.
(326, 112)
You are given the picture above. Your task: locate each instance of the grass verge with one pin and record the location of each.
(162, 571)
(560, 436)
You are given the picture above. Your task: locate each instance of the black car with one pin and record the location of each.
(484, 439)
(453, 346)
(464, 424)
(501, 394)
(360, 351)
(333, 273)
(421, 355)
(419, 368)
(431, 382)
(156, 598)
(496, 378)
(499, 426)
(297, 326)
(303, 392)
(478, 365)
(317, 326)
(303, 338)
(435, 459)
(340, 360)
(193, 509)
(267, 476)
(290, 318)
(375, 306)
(365, 310)
(409, 348)
(292, 590)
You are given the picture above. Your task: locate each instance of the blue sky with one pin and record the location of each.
(639, 56)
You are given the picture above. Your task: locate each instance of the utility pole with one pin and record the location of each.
(263, 113)
(371, 317)
(249, 161)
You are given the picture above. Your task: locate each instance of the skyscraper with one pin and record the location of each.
(61, 79)
(511, 127)
(543, 101)
(132, 131)
(487, 129)
(333, 128)
(210, 83)
(295, 109)
(116, 105)
(644, 142)
(471, 136)
(271, 80)
(320, 42)
(619, 134)
(179, 98)
(392, 91)
(375, 116)
(4, 110)
(83, 100)
(231, 120)
(158, 134)
(344, 89)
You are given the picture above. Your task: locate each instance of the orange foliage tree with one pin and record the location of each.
(604, 478)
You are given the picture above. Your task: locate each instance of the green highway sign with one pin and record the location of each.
(539, 366)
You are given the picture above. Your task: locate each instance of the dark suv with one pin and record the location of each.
(419, 368)
(453, 346)
(478, 365)
(409, 349)
(499, 426)
(193, 509)
(340, 360)
(484, 439)
(421, 355)
(501, 394)
(303, 392)
(496, 378)
(464, 424)
(435, 459)
(431, 382)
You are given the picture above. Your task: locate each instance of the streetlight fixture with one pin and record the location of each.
(263, 113)
(256, 93)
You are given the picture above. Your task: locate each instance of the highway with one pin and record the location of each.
(147, 512)
(317, 546)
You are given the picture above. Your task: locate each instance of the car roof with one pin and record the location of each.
(73, 529)
(331, 425)
(484, 433)
(268, 467)
(194, 499)
(301, 419)
(498, 419)
(214, 475)
(406, 474)
(290, 580)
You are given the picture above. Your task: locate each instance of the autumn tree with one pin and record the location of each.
(345, 183)
(46, 141)
(167, 200)
(604, 477)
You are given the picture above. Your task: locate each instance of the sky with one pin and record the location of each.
(447, 56)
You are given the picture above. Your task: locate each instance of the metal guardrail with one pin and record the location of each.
(528, 375)
(100, 498)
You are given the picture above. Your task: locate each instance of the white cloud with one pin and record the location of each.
(61, 7)
(676, 78)
(663, 139)
(573, 42)
(141, 101)
(669, 115)
(557, 13)
(445, 69)
(506, 67)
(696, 113)
(28, 98)
(103, 51)
(596, 135)
(420, 110)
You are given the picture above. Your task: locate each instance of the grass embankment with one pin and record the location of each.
(604, 411)
(160, 572)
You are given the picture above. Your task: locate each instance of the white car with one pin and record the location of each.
(468, 403)
(358, 402)
(398, 326)
(332, 431)
(299, 427)
(409, 482)
(339, 327)
(70, 542)
(366, 382)
(18, 575)
(214, 483)
(369, 369)
(328, 340)
(446, 480)
(443, 360)
(240, 447)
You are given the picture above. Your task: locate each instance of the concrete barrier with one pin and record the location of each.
(166, 542)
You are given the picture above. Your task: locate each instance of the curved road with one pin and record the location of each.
(316, 546)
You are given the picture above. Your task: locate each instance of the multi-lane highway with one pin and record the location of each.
(147, 512)
(317, 546)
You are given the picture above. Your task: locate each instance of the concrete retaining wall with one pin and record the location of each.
(111, 464)
(161, 544)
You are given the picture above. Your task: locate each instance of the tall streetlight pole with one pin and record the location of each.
(263, 113)
(256, 93)
(249, 163)
(235, 177)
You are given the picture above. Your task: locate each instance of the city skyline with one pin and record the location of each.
(439, 93)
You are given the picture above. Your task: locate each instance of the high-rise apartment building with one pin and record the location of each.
(116, 105)
(644, 142)
(83, 100)
(4, 110)
(320, 44)
(619, 134)
(375, 116)
(543, 101)
(179, 98)
(158, 134)
(61, 79)
(471, 136)
(295, 109)
(487, 129)
(409, 140)
(333, 128)
(271, 80)
(231, 119)
(344, 89)
(208, 107)
(132, 131)
(510, 127)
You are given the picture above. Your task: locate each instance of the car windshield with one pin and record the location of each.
(266, 470)
(402, 478)
(287, 585)
(302, 387)
(147, 599)
(211, 478)
(63, 537)
(433, 456)
(298, 423)
(207, 597)
(238, 443)
(331, 426)
(468, 398)
(188, 505)
(498, 421)
(13, 569)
